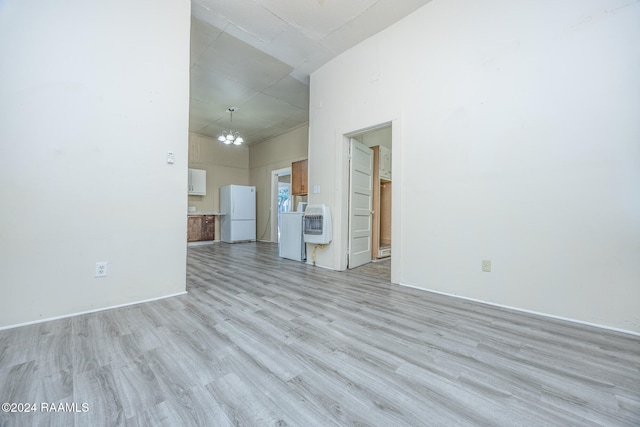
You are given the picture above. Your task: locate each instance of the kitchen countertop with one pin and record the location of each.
(204, 213)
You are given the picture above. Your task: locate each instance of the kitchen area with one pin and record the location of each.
(213, 165)
(237, 215)
(201, 225)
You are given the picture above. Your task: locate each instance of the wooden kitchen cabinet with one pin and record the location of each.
(194, 225)
(299, 178)
(200, 228)
(209, 227)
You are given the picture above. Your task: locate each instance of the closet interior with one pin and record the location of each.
(381, 235)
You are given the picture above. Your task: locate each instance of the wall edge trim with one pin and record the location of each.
(522, 310)
(80, 313)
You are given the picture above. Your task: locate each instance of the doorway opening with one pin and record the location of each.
(281, 199)
(284, 198)
(369, 201)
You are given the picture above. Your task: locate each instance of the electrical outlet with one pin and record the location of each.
(101, 269)
(486, 265)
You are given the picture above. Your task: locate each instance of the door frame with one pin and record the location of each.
(342, 196)
(273, 209)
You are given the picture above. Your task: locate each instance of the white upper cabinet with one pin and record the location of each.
(197, 182)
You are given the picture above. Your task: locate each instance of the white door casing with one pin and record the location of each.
(360, 202)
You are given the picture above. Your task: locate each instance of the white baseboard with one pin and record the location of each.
(522, 310)
(202, 243)
(310, 262)
(48, 319)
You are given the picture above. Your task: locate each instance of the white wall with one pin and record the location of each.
(516, 139)
(92, 96)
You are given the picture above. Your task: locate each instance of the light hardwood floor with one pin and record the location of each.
(260, 341)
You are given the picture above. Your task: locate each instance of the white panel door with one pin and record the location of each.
(360, 201)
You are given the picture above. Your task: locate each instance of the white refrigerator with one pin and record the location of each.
(292, 244)
(238, 209)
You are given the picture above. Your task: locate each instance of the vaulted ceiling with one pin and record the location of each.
(257, 55)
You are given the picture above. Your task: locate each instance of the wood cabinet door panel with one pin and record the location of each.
(299, 178)
(209, 227)
(194, 228)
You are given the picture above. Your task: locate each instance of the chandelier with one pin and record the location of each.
(229, 136)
